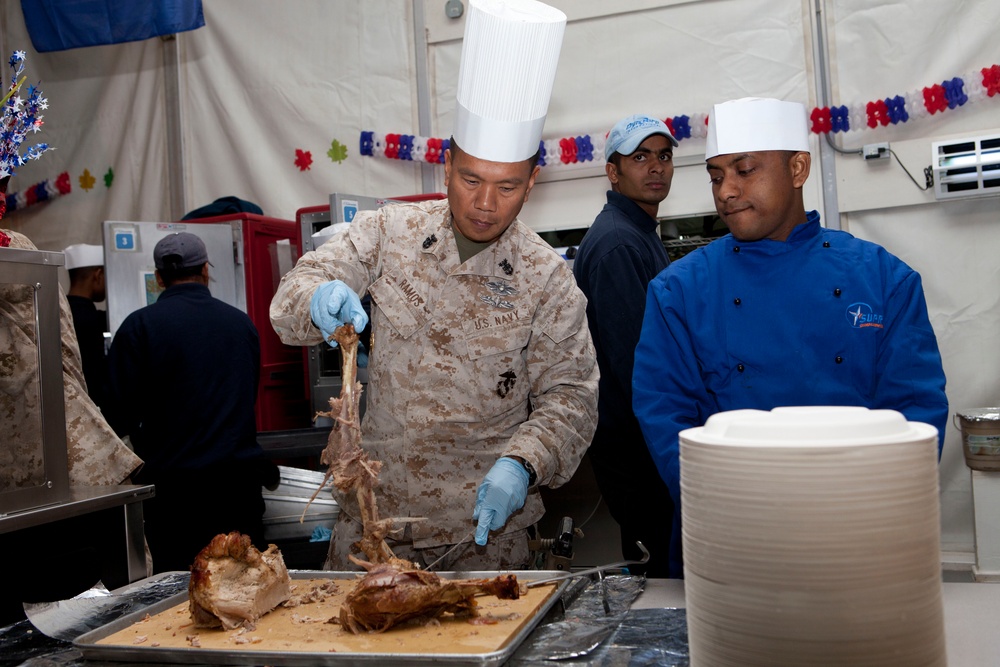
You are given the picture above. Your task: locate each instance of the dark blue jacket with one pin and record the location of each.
(90, 325)
(620, 253)
(183, 377)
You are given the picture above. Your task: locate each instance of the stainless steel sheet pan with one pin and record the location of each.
(92, 650)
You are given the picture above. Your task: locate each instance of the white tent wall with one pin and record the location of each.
(257, 82)
(265, 78)
(879, 50)
(106, 113)
(660, 58)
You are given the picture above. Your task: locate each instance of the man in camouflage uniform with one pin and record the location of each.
(480, 349)
(57, 560)
(97, 457)
(482, 372)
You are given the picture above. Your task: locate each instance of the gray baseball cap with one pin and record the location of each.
(180, 251)
(629, 132)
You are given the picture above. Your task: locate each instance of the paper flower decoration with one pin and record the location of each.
(18, 117)
(87, 180)
(337, 152)
(303, 159)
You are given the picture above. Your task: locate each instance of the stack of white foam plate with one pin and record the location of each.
(812, 537)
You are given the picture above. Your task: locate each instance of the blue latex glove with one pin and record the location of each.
(333, 305)
(501, 494)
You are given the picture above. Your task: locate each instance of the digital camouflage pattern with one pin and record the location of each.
(96, 456)
(469, 362)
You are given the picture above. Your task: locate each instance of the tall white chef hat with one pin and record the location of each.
(509, 57)
(756, 124)
(82, 254)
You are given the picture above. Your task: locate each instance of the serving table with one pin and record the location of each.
(653, 626)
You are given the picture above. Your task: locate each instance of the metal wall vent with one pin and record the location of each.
(966, 167)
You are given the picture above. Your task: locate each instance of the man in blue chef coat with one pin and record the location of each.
(781, 311)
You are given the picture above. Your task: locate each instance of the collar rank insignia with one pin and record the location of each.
(429, 241)
(507, 268)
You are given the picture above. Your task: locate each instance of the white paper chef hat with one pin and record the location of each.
(82, 254)
(509, 57)
(323, 235)
(756, 124)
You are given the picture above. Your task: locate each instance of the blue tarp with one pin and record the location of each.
(56, 25)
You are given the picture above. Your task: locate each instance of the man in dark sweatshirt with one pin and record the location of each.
(620, 253)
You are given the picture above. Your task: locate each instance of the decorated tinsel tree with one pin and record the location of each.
(19, 116)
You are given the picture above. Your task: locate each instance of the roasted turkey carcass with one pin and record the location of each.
(348, 464)
(388, 596)
(233, 584)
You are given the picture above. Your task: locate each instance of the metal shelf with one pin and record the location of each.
(82, 500)
(686, 244)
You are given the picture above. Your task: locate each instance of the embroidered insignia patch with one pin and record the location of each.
(507, 268)
(506, 383)
(861, 316)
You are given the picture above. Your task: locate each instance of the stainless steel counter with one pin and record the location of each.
(970, 616)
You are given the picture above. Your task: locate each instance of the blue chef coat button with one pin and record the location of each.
(737, 301)
(736, 249)
(826, 244)
(839, 359)
(836, 292)
(740, 368)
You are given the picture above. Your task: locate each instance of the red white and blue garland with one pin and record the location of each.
(915, 105)
(40, 192)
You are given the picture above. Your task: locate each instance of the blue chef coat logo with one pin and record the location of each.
(860, 316)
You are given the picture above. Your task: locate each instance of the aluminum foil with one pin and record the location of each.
(979, 414)
(596, 628)
(26, 645)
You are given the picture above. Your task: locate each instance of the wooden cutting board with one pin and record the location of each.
(304, 628)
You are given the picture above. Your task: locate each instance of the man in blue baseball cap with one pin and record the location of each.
(621, 252)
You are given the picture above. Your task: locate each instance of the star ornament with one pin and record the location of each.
(18, 116)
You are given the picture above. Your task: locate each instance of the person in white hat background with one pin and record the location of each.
(482, 377)
(184, 373)
(618, 256)
(781, 311)
(85, 264)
